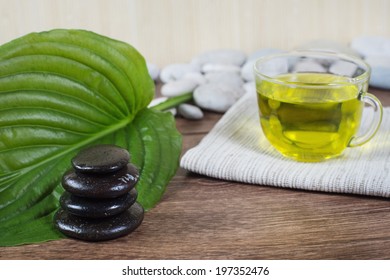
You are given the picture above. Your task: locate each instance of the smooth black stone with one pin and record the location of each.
(99, 229)
(108, 185)
(101, 159)
(97, 208)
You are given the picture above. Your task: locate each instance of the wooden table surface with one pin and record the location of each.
(205, 218)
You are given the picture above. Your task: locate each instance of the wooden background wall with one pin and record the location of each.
(168, 31)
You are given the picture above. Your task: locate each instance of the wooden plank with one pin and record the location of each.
(206, 218)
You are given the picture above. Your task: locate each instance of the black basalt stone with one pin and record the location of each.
(109, 185)
(97, 208)
(101, 159)
(89, 229)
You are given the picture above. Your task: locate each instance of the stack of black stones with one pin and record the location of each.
(100, 199)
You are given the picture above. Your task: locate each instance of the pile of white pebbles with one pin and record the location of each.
(218, 78)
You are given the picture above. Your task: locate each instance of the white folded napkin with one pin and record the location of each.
(236, 150)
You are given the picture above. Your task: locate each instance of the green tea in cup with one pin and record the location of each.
(311, 103)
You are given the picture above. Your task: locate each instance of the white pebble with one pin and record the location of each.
(190, 112)
(275, 67)
(216, 97)
(178, 87)
(371, 45)
(157, 101)
(343, 68)
(327, 45)
(153, 70)
(173, 111)
(217, 67)
(222, 56)
(380, 71)
(228, 78)
(309, 65)
(196, 77)
(250, 87)
(247, 70)
(378, 60)
(263, 52)
(176, 71)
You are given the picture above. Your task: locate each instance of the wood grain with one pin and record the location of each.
(205, 218)
(169, 31)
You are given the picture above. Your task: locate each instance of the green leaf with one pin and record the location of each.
(156, 146)
(61, 91)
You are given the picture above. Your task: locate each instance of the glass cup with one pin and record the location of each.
(311, 103)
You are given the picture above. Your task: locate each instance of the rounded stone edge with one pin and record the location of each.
(96, 170)
(70, 187)
(136, 212)
(133, 194)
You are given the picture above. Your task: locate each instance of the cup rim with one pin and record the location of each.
(331, 54)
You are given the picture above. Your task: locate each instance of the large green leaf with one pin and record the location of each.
(61, 91)
(155, 145)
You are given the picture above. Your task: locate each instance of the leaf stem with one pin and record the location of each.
(173, 102)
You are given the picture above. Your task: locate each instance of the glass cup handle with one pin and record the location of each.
(374, 102)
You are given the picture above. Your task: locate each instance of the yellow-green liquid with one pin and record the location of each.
(309, 123)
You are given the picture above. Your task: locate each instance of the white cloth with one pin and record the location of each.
(236, 150)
